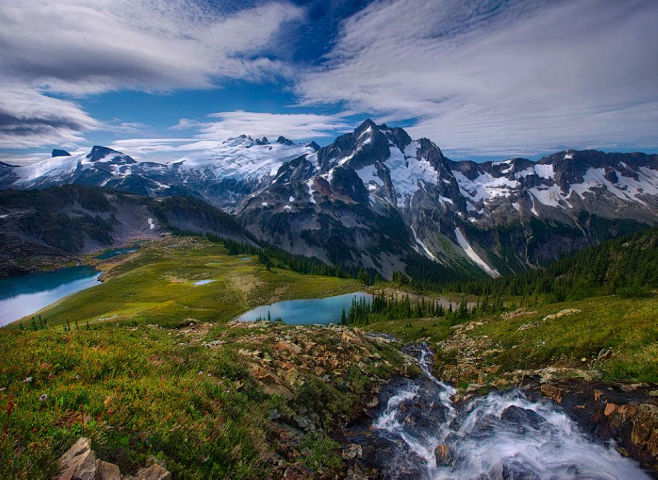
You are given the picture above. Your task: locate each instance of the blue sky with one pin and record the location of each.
(488, 80)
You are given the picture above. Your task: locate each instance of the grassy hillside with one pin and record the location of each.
(151, 367)
(157, 285)
(617, 337)
(41, 228)
(213, 400)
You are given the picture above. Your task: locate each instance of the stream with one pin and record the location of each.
(419, 433)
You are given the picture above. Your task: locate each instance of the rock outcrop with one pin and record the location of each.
(80, 463)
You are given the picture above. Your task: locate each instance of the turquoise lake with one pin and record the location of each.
(25, 294)
(305, 312)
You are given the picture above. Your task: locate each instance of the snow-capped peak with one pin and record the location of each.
(243, 158)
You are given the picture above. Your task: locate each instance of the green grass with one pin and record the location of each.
(157, 286)
(134, 376)
(141, 393)
(432, 330)
(627, 326)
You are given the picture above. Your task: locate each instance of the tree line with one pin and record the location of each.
(626, 266)
(382, 307)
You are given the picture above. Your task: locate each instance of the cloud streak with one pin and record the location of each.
(222, 125)
(91, 46)
(296, 126)
(85, 47)
(29, 119)
(526, 77)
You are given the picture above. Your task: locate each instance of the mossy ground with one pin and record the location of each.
(147, 390)
(627, 327)
(160, 372)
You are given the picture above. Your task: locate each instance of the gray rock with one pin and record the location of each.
(154, 472)
(73, 458)
(107, 471)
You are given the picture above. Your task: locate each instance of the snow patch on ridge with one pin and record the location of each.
(473, 255)
(368, 176)
(407, 172)
(48, 169)
(626, 188)
(484, 186)
(309, 184)
(422, 245)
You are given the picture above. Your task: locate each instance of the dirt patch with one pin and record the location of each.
(244, 283)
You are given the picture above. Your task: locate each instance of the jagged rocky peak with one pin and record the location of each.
(60, 153)
(298, 169)
(99, 152)
(366, 145)
(313, 145)
(262, 141)
(284, 141)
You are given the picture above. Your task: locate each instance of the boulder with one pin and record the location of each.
(353, 450)
(154, 472)
(107, 471)
(80, 463)
(77, 461)
(552, 392)
(443, 454)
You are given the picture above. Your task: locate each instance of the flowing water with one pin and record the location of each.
(420, 434)
(25, 294)
(305, 312)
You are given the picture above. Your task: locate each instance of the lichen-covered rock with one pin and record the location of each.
(77, 462)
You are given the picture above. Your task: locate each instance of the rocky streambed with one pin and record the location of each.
(419, 431)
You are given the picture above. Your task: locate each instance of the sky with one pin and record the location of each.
(157, 79)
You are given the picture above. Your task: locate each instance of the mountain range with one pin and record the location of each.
(377, 199)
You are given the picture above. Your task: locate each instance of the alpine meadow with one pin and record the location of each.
(326, 239)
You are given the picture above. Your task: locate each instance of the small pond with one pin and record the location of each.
(305, 312)
(115, 252)
(25, 294)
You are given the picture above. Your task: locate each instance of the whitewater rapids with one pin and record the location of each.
(420, 434)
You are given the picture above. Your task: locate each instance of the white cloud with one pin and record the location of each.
(90, 46)
(159, 149)
(525, 77)
(80, 47)
(296, 126)
(30, 119)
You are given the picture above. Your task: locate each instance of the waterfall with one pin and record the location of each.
(502, 435)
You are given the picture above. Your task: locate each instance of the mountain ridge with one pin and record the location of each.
(375, 197)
